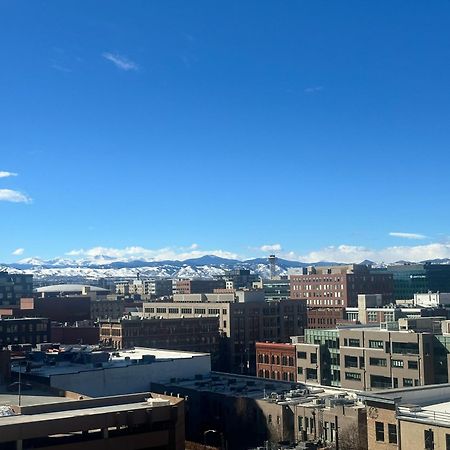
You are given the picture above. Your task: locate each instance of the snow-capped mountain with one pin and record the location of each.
(209, 266)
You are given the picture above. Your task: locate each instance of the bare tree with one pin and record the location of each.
(351, 438)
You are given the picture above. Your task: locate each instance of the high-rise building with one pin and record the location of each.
(410, 279)
(13, 287)
(339, 286)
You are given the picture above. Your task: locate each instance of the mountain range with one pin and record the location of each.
(208, 266)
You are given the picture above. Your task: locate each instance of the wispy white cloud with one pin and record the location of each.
(407, 235)
(354, 253)
(136, 252)
(5, 174)
(120, 61)
(18, 251)
(270, 248)
(9, 195)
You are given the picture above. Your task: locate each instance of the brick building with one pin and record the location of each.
(197, 286)
(276, 361)
(339, 286)
(198, 334)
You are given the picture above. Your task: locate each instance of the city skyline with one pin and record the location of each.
(315, 131)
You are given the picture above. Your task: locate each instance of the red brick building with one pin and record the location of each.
(88, 335)
(197, 286)
(324, 317)
(276, 361)
(339, 286)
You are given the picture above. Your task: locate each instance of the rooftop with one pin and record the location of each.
(64, 288)
(273, 391)
(75, 359)
(30, 397)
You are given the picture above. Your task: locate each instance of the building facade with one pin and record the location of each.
(197, 286)
(370, 358)
(276, 361)
(13, 287)
(339, 286)
(198, 334)
(244, 319)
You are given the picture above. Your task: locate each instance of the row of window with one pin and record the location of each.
(213, 311)
(272, 359)
(276, 375)
(391, 430)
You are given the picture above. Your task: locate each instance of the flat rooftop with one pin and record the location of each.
(257, 388)
(29, 397)
(119, 358)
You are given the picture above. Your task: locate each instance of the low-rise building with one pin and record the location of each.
(410, 353)
(409, 418)
(29, 330)
(96, 372)
(50, 418)
(276, 361)
(199, 334)
(247, 412)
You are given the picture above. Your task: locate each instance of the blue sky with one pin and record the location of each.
(315, 129)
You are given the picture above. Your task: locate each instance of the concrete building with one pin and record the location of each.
(409, 418)
(339, 286)
(58, 420)
(276, 289)
(244, 318)
(411, 353)
(198, 334)
(95, 372)
(155, 287)
(238, 279)
(246, 412)
(197, 286)
(13, 287)
(432, 299)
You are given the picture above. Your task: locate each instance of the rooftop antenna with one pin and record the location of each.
(272, 263)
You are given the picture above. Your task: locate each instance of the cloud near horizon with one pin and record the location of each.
(270, 248)
(9, 195)
(18, 251)
(339, 253)
(6, 174)
(137, 252)
(407, 235)
(120, 61)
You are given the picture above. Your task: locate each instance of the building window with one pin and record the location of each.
(413, 365)
(447, 442)
(397, 363)
(350, 361)
(301, 355)
(379, 431)
(300, 423)
(380, 362)
(313, 358)
(407, 382)
(352, 376)
(375, 344)
(392, 431)
(353, 342)
(300, 370)
(428, 436)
